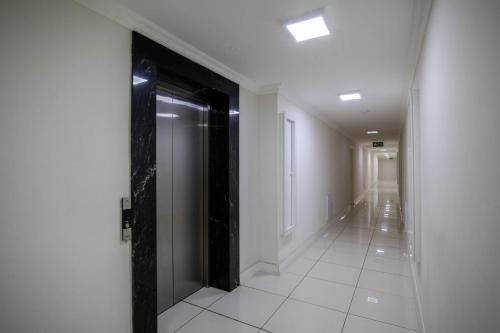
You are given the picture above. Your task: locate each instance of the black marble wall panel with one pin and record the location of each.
(149, 60)
(143, 184)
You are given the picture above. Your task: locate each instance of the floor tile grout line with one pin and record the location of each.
(359, 277)
(302, 279)
(388, 323)
(217, 313)
(384, 322)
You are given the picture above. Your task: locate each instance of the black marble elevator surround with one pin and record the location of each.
(149, 59)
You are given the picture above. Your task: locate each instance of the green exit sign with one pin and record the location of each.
(378, 143)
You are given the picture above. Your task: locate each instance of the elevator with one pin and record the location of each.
(184, 180)
(181, 160)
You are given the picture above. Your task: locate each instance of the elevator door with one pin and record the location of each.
(180, 140)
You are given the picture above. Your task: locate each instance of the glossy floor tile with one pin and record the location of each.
(346, 259)
(280, 284)
(205, 297)
(356, 324)
(299, 317)
(385, 282)
(313, 252)
(354, 278)
(393, 266)
(299, 266)
(335, 273)
(332, 295)
(388, 308)
(176, 316)
(248, 305)
(212, 322)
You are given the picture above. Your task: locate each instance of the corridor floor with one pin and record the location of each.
(354, 278)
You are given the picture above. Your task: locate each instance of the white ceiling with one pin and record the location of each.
(369, 49)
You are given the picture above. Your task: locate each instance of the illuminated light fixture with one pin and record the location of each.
(371, 132)
(350, 96)
(138, 80)
(167, 115)
(372, 300)
(384, 229)
(233, 112)
(307, 27)
(380, 251)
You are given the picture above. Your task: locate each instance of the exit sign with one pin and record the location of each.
(378, 143)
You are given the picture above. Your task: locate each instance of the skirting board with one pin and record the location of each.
(416, 289)
(259, 266)
(360, 197)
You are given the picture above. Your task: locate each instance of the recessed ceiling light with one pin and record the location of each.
(137, 80)
(308, 27)
(371, 132)
(351, 96)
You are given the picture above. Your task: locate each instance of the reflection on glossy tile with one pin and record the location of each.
(298, 317)
(355, 324)
(353, 260)
(209, 322)
(387, 252)
(281, 284)
(386, 282)
(248, 305)
(386, 265)
(300, 266)
(205, 297)
(176, 316)
(324, 293)
(397, 310)
(335, 273)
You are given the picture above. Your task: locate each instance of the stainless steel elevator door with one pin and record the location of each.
(180, 167)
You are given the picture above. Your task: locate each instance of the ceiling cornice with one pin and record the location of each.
(421, 12)
(136, 22)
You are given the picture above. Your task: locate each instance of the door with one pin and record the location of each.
(180, 139)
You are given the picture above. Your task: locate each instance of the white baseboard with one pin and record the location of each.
(416, 289)
(259, 266)
(360, 197)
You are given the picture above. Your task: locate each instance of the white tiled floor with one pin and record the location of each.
(355, 278)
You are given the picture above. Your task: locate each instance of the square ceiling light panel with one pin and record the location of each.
(308, 28)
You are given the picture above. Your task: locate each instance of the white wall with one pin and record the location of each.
(323, 166)
(360, 174)
(249, 175)
(64, 147)
(459, 80)
(387, 170)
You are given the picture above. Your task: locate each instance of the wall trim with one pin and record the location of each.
(417, 294)
(136, 22)
(259, 266)
(360, 197)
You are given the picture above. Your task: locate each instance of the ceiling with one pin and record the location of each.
(369, 49)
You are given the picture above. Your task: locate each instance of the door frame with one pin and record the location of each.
(148, 59)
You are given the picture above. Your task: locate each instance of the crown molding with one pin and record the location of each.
(285, 92)
(421, 13)
(136, 22)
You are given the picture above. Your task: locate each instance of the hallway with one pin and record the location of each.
(249, 166)
(355, 278)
